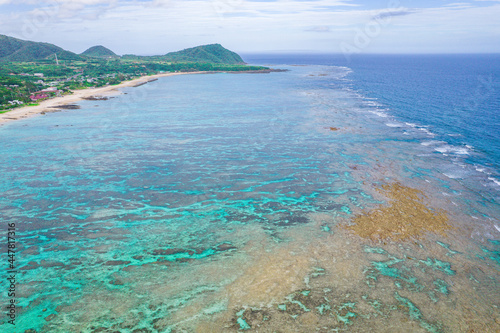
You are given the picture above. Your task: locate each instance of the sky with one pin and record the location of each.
(152, 27)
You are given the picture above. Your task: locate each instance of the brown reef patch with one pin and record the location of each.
(405, 217)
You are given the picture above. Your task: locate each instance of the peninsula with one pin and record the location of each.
(40, 75)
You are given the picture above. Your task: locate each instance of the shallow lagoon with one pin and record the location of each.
(214, 203)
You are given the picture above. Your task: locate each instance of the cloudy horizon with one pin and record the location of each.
(149, 27)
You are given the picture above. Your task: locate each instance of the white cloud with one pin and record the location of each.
(320, 28)
(159, 26)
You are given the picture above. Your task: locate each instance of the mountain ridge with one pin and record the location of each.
(18, 50)
(14, 49)
(213, 53)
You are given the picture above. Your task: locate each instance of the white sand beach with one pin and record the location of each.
(29, 111)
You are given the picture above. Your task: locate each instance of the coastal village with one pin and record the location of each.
(31, 88)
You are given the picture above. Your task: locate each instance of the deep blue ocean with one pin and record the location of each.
(454, 97)
(341, 195)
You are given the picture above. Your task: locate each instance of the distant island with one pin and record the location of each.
(31, 72)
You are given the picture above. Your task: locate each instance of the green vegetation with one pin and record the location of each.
(31, 71)
(99, 51)
(13, 49)
(213, 53)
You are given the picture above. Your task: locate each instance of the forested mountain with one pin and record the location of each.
(99, 51)
(213, 53)
(13, 49)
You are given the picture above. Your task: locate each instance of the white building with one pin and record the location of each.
(49, 89)
(15, 102)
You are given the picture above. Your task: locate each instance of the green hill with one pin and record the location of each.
(99, 51)
(212, 53)
(13, 49)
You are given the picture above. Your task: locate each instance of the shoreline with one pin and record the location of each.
(79, 95)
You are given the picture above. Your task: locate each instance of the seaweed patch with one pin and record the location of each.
(405, 216)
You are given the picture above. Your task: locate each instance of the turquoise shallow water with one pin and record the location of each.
(212, 203)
